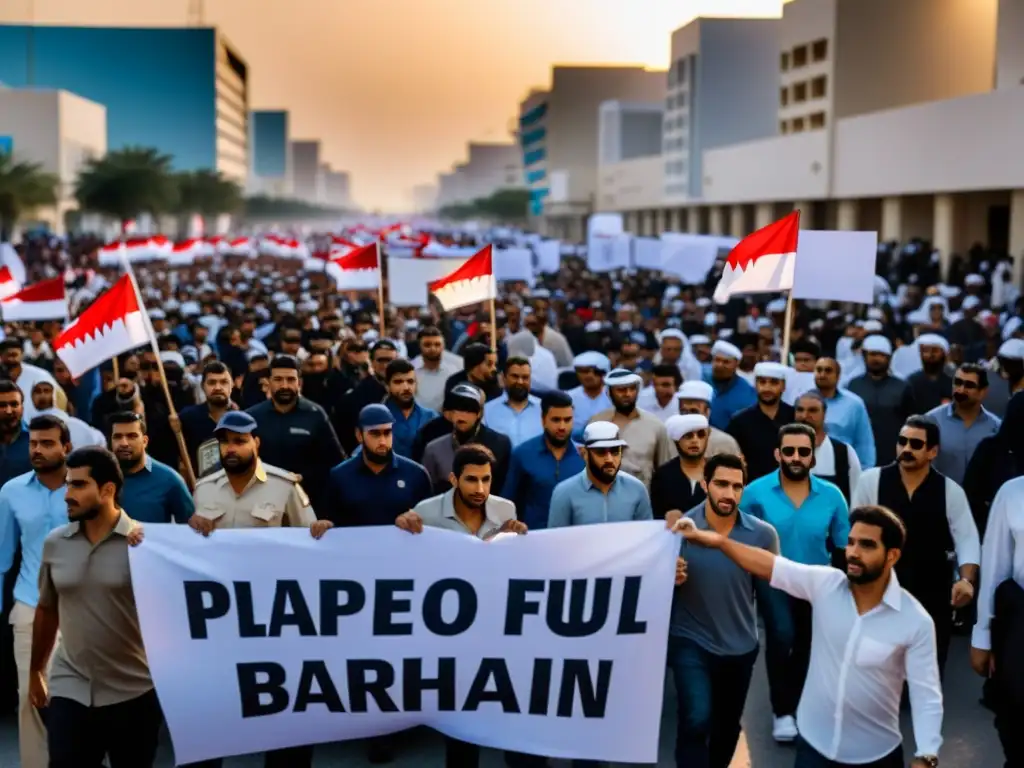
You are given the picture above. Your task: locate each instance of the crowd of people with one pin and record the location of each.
(858, 497)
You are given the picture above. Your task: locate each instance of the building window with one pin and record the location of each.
(817, 120)
(798, 125)
(784, 96)
(783, 127)
(819, 87)
(819, 50)
(670, 103)
(800, 56)
(784, 63)
(799, 92)
(680, 71)
(681, 99)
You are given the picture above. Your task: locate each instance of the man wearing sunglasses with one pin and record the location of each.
(963, 423)
(812, 519)
(756, 428)
(695, 397)
(938, 518)
(676, 484)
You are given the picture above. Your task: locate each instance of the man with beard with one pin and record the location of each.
(590, 397)
(676, 484)
(889, 400)
(480, 370)
(932, 386)
(32, 505)
(152, 492)
(1009, 363)
(296, 432)
(541, 462)
(434, 366)
(20, 372)
(464, 411)
(409, 416)
(937, 516)
(315, 368)
(834, 460)
(517, 412)
(846, 416)
(756, 428)
(646, 436)
(99, 700)
(732, 392)
(600, 493)
(660, 397)
(466, 507)
(695, 397)
(163, 444)
(371, 389)
(870, 637)
(811, 518)
(964, 423)
(199, 421)
(14, 459)
(713, 644)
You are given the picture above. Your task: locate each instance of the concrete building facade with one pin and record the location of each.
(270, 171)
(490, 167)
(307, 179)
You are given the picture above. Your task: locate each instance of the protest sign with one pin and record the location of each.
(551, 643)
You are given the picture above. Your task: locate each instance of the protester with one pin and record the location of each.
(590, 397)
(889, 400)
(834, 460)
(677, 484)
(756, 428)
(660, 398)
(846, 415)
(199, 421)
(152, 491)
(480, 370)
(963, 423)
(732, 392)
(434, 367)
(410, 416)
(516, 413)
(695, 398)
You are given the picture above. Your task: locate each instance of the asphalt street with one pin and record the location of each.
(970, 739)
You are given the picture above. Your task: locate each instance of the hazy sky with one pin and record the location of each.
(395, 88)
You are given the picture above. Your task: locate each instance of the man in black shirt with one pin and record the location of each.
(368, 391)
(756, 428)
(932, 386)
(295, 434)
(199, 421)
(481, 370)
(676, 483)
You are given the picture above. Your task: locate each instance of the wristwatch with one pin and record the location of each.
(930, 760)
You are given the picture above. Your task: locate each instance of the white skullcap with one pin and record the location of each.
(776, 305)
(970, 302)
(1012, 349)
(877, 343)
(696, 390)
(703, 302)
(671, 333)
(699, 339)
(592, 360)
(933, 340)
(974, 279)
(726, 349)
(684, 424)
(594, 326)
(875, 313)
(620, 377)
(157, 314)
(175, 358)
(770, 371)
(872, 326)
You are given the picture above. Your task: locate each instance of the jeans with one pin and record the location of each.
(711, 691)
(808, 757)
(787, 624)
(126, 733)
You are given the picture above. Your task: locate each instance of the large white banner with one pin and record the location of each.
(551, 643)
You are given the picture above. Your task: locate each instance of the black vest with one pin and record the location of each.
(841, 479)
(924, 568)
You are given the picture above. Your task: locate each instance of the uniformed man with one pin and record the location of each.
(246, 493)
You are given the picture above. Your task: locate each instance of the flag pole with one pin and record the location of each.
(787, 330)
(494, 328)
(186, 461)
(380, 293)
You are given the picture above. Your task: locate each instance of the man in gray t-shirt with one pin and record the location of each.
(713, 631)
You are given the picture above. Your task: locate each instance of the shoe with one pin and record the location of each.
(784, 729)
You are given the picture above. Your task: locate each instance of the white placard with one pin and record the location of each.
(549, 256)
(836, 266)
(553, 643)
(408, 278)
(647, 253)
(690, 257)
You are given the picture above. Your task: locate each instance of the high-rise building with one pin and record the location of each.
(337, 188)
(307, 180)
(270, 153)
(558, 130)
(182, 91)
(491, 167)
(629, 155)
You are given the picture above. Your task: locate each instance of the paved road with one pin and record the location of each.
(971, 740)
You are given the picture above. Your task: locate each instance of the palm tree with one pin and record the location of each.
(128, 182)
(207, 193)
(23, 187)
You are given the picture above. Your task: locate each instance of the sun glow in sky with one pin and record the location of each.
(395, 88)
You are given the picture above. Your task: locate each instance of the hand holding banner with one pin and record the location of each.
(553, 644)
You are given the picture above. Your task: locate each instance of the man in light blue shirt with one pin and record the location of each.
(410, 416)
(590, 397)
(32, 505)
(846, 416)
(600, 493)
(811, 518)
(963, 423)
(516, 413)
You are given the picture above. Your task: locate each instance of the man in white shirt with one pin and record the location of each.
(869, 637)
(433, 367)
(660, 397)
(995, 645)
(834, 460)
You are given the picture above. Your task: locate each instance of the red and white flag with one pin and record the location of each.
(356, 271)
(762, 262)
(113, 324)
(8, 285)
(46, 300)
(471, 283)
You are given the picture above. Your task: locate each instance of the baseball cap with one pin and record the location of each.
(602, 434)
(236, 421)
(375, 415)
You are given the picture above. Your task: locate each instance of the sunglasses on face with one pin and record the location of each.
(790, 450)
(964, 383)
(915, 443)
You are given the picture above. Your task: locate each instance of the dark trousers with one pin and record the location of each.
(462, 754)
(787, 624)
(711, 691)
(292, 757)
(1008, 681)
(126, 733)
(808, 757)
